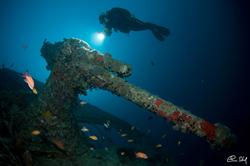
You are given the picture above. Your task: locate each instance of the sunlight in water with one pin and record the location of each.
(98, 38)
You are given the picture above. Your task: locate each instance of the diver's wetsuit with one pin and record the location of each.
(121, 19)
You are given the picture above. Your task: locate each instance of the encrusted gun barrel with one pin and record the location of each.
(95, 70)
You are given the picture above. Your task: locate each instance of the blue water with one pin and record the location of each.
(202, 66)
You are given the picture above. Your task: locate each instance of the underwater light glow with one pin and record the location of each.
(98, 38)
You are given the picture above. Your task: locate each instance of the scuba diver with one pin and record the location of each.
(121, 20)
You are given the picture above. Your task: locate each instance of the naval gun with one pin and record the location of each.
(79, 67)
(45, 130)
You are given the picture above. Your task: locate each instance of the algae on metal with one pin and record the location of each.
(75, 68)
(15, 98)
(73, 61)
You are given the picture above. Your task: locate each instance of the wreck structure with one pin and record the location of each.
(75, 68)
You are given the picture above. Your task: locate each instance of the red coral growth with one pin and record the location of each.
(174, 116)
(209, 129)
(99, 59)
(162, 113)
(158, 102)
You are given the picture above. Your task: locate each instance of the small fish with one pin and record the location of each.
(132, 127)
(82, 103)
(141, 155)
(122, 153)
(130, 140)
(93, 137)
(29, 80)
(84, 129)
(35, 132)
(106, 148)
(58, 143)
(107, 124)
(158, 145)
(179, 143)
(91, 148)
(124, 135)
(163, 136)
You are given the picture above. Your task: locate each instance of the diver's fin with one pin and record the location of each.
(157, 34)
(158, 31)
(163, 30)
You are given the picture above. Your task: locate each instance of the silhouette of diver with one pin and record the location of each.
(121, 19)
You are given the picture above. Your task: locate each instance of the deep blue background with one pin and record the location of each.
(202, 66)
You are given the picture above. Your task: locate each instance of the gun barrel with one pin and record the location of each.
(216, 134)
